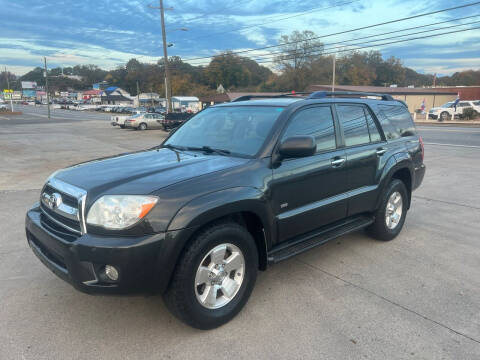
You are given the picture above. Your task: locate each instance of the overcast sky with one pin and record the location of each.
(109, 32)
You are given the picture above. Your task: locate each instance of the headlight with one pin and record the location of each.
(116, 212)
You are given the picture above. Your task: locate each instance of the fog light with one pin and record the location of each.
(111, 272)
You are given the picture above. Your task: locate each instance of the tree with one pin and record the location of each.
(299, 51)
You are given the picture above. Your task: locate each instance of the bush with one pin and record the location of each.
(469, 114)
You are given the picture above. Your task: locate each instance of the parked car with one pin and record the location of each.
(449, 111)
(174, 120)
(3, 107)
(120, 120)
(145, 121)
(238, 187)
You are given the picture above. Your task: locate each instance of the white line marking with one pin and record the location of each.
(456, 145)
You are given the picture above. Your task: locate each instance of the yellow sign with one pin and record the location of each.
(8, 91)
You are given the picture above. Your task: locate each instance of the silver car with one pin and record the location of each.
(145, 121)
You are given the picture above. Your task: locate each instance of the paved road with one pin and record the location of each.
(39, 115)
(451, 135)
(416, 297)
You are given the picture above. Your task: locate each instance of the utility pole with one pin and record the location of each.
(151, 95)
(138, 94)
(333, 76)
(8, 86)
(165, 57)
(46, 87)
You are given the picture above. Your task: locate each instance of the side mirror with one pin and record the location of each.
(297, 146)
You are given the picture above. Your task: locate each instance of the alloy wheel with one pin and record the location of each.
(394, 210)
(219, 276)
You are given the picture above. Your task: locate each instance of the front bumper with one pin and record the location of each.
(81, 262)
(433, 116)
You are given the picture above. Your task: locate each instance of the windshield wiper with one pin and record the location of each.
(209, 150)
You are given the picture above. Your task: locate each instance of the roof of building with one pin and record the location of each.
(216, 98)
(185, 98)
(384, 90)
(92, 92)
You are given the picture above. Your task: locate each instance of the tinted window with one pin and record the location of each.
(463, 104)
(397, 120)
(372, 127)
(354, 123)
(316, 122)
(239, 129)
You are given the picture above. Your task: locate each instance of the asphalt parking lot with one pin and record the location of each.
(417, 297)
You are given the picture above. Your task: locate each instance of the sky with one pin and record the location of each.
(108, 33)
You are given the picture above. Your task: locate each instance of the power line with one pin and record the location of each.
(240, 60)
(386, 33)
(345, 31)
(320, 51)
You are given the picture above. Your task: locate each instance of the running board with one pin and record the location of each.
(316, 238)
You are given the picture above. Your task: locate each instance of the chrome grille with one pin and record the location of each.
(62, 207)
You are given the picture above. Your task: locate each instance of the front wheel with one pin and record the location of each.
(215, 276)
(444, 116)
(142, 126)
(390, 216)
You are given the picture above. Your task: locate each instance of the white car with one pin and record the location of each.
(145, 121)
(448, 112)
(3, 106)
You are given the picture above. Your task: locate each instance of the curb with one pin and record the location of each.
(11, 113)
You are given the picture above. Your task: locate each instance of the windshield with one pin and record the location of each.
(240, 130)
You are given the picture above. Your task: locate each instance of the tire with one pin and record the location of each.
(444, 116)
(381, 229)
(122, 126)
(184, 297)
(142, 126)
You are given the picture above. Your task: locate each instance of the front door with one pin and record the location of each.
(308, 192)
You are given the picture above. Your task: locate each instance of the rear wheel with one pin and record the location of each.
(390, 216)
(215, 276)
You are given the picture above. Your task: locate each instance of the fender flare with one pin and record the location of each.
(203, 210)
(396, 162)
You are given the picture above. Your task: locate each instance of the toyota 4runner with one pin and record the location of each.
(238, 187)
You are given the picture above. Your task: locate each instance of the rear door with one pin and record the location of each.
(364, 148)
(309, 192)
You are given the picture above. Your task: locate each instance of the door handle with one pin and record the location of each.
(381, 151)
(338, 162)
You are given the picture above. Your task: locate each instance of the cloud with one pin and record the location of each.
(110, 32)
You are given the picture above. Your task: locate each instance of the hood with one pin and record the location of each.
(143, 172)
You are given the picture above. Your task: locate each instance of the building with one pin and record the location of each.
(186, 103)
(116, 96)
(210, 100)
(464, 92)
(94, 96)
(150, 99)
(413, 97)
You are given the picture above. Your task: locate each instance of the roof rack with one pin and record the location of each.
(318, 95)
(324, 94)
(286, 95)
